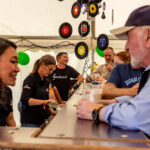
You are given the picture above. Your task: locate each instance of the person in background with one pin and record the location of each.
(121, 58)
(62, 75)
(124, 78)
(35, 94)
(105, 69)
(8, 72)
(133, 112)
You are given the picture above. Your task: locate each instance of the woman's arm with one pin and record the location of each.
(51, 93)
(60, 101)
(10, 120)
(34, 102)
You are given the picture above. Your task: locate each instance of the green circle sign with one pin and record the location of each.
(23, 58)
(99, 52)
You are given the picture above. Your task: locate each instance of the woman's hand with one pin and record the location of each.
(51, 101)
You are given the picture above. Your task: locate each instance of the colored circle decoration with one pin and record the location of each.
(24, 58)
(93, 8)
(84, 28)
(75, 11)
(65, 30)
(99, 52)
(102, 41)
(81, 50)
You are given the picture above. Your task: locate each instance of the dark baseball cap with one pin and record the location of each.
(139, 17)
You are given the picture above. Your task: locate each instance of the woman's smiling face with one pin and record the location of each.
(9, 66)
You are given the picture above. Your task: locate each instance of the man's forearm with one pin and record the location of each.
(112, 92)
(80, 79)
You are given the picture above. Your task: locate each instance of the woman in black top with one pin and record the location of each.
(7, 119)
(8, 72)
(35, 94)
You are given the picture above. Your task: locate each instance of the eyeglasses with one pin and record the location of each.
(51, 69)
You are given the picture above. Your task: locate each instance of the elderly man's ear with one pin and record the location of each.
(148, 37)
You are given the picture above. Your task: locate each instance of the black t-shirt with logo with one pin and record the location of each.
(61, 79)
(34, 87)
(6, 108)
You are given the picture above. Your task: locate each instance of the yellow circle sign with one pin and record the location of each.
(81, 50)
(92, 8)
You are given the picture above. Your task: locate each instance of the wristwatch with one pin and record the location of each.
(95, 114)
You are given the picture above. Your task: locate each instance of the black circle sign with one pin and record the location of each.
(83, 1)
(81, 50)
(75, 11)
(93, 8)
(65, 30)
(84, 28)
(102, 41)
(98, 1)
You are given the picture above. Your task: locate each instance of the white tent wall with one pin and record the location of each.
(42, 18)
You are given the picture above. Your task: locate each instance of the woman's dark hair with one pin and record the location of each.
(4, 44)
(60, 54)
(46, 59)
(124, 56)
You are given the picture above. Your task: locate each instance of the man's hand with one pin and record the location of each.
(133, 91)
(85, 108)
(102, 80)
(109, 67)
(72, 91)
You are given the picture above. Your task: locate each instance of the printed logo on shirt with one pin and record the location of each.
(26, 87)
(132, 80)
(59, 77)
(47, 90)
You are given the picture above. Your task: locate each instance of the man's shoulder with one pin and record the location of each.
(122, 66)
(68, 67)
(102, 65)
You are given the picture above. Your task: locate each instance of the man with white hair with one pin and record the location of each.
(129, 113)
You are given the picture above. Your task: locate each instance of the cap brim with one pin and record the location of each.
(121, 32)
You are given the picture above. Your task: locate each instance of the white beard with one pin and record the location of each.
(137, 60)
(134, 61)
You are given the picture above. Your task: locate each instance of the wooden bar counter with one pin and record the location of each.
(66, 132)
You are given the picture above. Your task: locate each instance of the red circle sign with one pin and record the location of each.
(65, 30)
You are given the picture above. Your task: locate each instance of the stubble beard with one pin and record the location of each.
(138, 58)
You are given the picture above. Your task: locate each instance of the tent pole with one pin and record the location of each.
(92, 39)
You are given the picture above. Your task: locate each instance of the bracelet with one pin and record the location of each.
(44, 104)
(76, 86)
